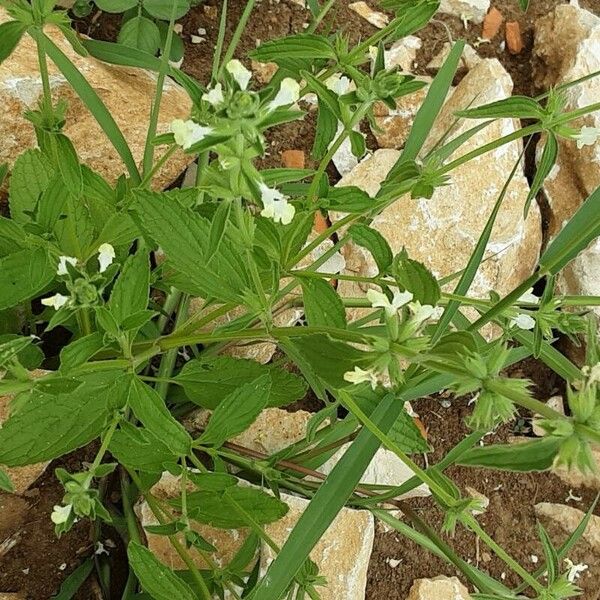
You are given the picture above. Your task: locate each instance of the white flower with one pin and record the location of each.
(380, 300)
(276, 206)
(239, 72)
(289, 92)
(338, 83)
(57, 301)
(574, 571)
(61, 514)
(214, 96)
(530, 297)
(587, 136)
(106, 254)
(187, 133)
(523, 321)
(62, 264)
(421, 312)
(359, 375)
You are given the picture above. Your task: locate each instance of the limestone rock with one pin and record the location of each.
(273, 430)
(567, 47)
(393, 126)
(473, 10)
(468, 59)
(567, 519)
(127, 92)
(402, 53)
(342, 554)
(438, 588)
(378, 19)
(576, 479)
(21, 477)
(442, 232)
(385, 469)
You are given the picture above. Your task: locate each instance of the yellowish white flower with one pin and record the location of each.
(61, 514)
(587, 136)
(359, 375)
(289, 92)
(106, 254)
(574, 571)
(187, 133)
(56, 302)
(523, 321)
(62, 264)
(420, 312)
(239, 72)
(380, 300)
(275, 205)
(530, 297)
(214, 95)
(338, 83)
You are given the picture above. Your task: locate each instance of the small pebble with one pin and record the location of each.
(196, 39)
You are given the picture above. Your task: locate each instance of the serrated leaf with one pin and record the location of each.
(207, 507)
(130, 292)
(374, 242)
(47, 426)
(348, 199)
(324, 94)
(544, 166)
(416, 278)
(68, 164)
(236, 412)
(300, 46)
(516, 107)
(11, 33)
(207, 381)
(322, 305)
(150, 409)
(6, 484)
(327, 125)
(155, 578)
(217, 227)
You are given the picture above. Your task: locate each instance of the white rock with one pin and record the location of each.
(374, 17)
(385, 469)
(402, 53)
(473, 10)
(567, 47)
(438, 588)
(468, 59)
(442, 232)
(555, 402)
(127, 92)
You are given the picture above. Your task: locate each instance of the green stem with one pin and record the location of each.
(237, 35)
(322, 14)
(43, 64)
(160, 82)
(158, 165)
(219, 46)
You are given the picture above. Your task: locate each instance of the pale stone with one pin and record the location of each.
(472, 10)
(341, 555)
(12, 596)
(378, 19)
(442, 232)
(402, 53)
(127, 93)
(575, 479)
(393, 126)
(568, 519)
(273, 430)
(567, 47)
(264, 71)
(385, 469)
(556, 403)
(469, 58)
(438, 588)
(21, 477)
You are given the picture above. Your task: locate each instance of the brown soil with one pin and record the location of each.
(38, 562)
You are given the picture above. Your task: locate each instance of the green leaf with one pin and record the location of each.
(208, 381)
(150, 409)
(46, 426)
(537, 455)
(92, 101)
(237, 412)
(325, 95)
(160, 9)
(407, 436)
(71, 585)
(68, 164)
(301, 46)
(544, 166)
(28, 354)
(5, 482)
(154, 577)
(11, 33)
(322, 305)
(524, 4)
(415, 277)
(327, 125)
(116, 6)
(348, 199)
(29, 177)
(374, 242)
(140, 32)
(24, 274)
(130, 292)
(208, 507)
(217, 227)
(575, 236)
(515, 107)
(325, 505)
